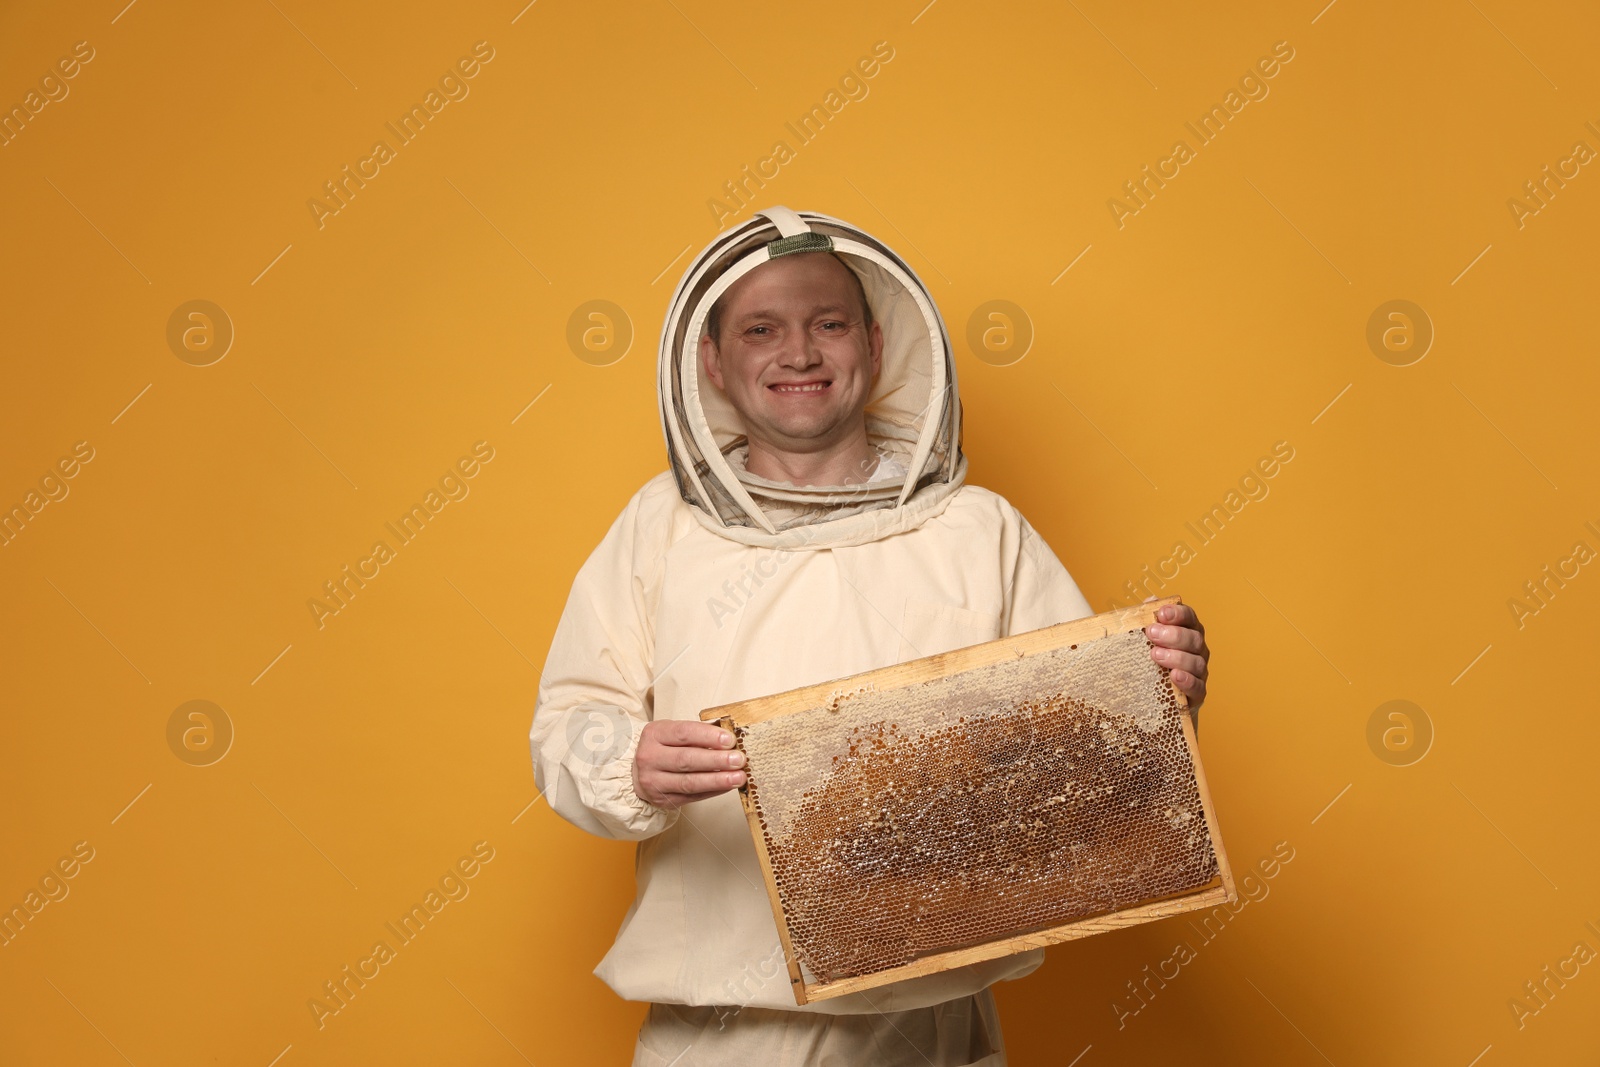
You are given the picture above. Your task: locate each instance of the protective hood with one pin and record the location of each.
(913, 414)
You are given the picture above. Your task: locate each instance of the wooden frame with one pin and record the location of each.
(1220, 890)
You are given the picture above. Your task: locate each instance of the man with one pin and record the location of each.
(814, 524)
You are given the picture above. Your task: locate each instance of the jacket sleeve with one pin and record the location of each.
(595, 692)
(1042, 592)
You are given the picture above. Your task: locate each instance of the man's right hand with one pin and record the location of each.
(679, 762)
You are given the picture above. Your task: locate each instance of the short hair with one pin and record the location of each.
(714, 316)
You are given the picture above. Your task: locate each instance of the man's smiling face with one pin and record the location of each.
(796, 357)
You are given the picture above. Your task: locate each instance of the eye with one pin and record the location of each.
(834, 323)
(753, 329)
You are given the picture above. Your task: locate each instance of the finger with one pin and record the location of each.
(1187, 662)
(1181, 637)
(1180, 615)
(681, 759)
(689, 784)
(1194, 688)
(692, 734)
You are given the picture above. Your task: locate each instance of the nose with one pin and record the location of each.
(799, 351)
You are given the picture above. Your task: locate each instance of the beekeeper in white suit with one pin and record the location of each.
(815, 523)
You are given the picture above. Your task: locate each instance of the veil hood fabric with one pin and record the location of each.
(912, 414)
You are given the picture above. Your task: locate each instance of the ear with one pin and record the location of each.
(708, 360)
(875, 342)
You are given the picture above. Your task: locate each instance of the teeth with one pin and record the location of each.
(818, 387)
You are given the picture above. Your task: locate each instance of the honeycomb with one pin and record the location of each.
(983, 805)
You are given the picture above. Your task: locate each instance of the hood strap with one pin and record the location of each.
(788, 222)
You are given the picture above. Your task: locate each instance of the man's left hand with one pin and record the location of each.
(1180, 644)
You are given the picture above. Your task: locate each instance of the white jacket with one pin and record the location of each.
(715, 586)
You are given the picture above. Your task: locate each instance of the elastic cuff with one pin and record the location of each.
(638, 815)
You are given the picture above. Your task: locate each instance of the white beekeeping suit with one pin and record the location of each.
(715, 585)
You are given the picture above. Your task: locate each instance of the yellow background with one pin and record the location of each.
(1227, 315)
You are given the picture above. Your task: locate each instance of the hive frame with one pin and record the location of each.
(1220, 890)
